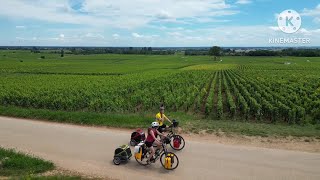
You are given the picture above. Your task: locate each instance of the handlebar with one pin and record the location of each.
(165, 140)
(174, 124)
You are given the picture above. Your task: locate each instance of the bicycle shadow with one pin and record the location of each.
(155, 168)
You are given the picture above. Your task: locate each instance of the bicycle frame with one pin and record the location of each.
(171, 132)
(163, 151)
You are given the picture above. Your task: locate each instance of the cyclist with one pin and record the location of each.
(161, 117)
(151, 138)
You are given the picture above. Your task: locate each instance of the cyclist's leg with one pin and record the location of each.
(164, 127)
(152, 151)
(161, 130)
(158, 148)
(158, 145)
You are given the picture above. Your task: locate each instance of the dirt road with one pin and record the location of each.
(90, 151)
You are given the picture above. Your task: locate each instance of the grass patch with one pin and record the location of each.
(57, 177)
(251, 128)
(188, 122)
(14, 163)
(82, 118)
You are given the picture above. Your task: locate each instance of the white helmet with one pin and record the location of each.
(154, 124)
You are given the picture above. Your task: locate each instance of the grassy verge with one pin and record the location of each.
(16, 165)
(252, 129)
(13, 163)
(85, 118)
(189, 123)
(57, 177)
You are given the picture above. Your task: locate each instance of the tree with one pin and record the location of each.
(62, 53)
(215, 51)
(35, 50)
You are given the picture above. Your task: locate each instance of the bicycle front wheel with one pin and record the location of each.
(178, 146)
(174, 161)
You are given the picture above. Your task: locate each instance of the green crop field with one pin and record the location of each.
(253, 89)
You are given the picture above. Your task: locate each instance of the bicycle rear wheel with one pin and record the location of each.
(143, 160)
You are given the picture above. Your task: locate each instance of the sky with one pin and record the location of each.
(154, 23)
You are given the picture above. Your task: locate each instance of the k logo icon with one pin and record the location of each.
(289, 21)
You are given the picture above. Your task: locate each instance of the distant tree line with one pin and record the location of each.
(301, 52)
(105, 50)
(285, 52)
(35, 50)
(196, 52)
(129, 50)
(213, 51)
(256, 52)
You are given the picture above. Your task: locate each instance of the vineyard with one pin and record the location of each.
(238, 88)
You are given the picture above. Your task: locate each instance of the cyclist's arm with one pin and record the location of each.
(159, 118)
(159, 133)
(165, 117)
(154, 137)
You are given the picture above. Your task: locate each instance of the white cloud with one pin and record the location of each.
(311, 12)
(175, 34)
(222, 36)
(206, 20)
(234, 36)
(275, 28)
(20, 38)
(309, 32)
(116, 36)
(315, 13)
(120, 13)
(94, 36)
(137, 39)
(20, 27)
(303, 30)
(164, 15)
(316, 31)
(316, 20)
(243, 2)
(136, 35)
(97, 17)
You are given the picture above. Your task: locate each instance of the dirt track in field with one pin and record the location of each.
(90, 151)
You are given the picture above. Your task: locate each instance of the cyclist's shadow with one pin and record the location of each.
(153, 167)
